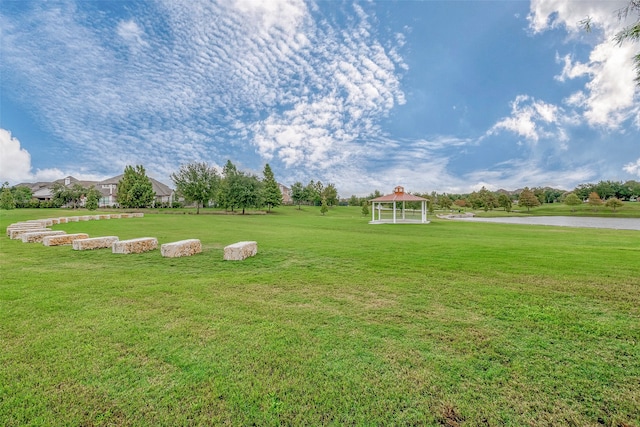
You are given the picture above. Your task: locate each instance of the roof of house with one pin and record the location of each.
(398, 195)
(159, 188)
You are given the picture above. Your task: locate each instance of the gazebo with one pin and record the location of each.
(394, 202)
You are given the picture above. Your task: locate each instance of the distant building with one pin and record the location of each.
(43, 191)
(286, 194)
(109, 190)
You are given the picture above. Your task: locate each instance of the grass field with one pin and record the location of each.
(334, 322)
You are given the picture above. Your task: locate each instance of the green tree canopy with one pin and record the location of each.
(330, 194)
(504, 201)
(22, 196)
(323, 207)
(92, 198)
(272, 196)
(613, 203)
(135, 189)
(572, 200)
(197, 182)
(298, 193)
(6, 197)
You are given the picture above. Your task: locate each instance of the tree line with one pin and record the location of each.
(611, 192)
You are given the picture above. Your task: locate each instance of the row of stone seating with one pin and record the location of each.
(36, 231)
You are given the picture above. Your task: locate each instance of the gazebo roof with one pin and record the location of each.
(398, 195)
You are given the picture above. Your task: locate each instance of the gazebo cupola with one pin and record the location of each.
(394, 202)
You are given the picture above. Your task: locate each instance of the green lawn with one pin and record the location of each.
(334, 322)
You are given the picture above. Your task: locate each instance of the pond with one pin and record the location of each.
(565, 221)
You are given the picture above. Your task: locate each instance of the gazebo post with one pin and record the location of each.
(394, 211)
(403, 210)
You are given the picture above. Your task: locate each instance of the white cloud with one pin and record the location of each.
(15, 162)
(277, 78)
(532, 119)
(132, 34)
(610, 95)
(633, 168)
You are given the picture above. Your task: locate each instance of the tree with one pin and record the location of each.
(313, 193)
(504, 202)
(135, 189)
(330, 194)
(461, 203)
(323, 207)
(6, 197)
(594, 200)
(247, 191)
(613, 203)
(572, 200)
(92, 198)
(354, 200)
(445, 202)
(60, 194)
(297, 193)
(22, 196)
(197, 182)
(528, 199)
(629, 33)
(632, 32)
(271, 190)
(229, 186)
(365, 208)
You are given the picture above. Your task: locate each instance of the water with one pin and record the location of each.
(565, 221)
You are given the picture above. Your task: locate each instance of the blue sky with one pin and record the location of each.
(444, 96)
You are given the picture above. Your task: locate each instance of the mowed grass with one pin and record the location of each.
(334, 322)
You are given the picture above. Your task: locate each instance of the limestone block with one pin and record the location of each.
(95, 217)
(115, 216)
(37, 236)
(85, 217)
(105, 216)
(43, 222)
(239, 251)
(31, 226)
(126, 215)
(63, 220)
(138, 214)
(16, 233)
(94, 243)
(135, 246)
(54, 220)
(64, 239)
(73, 219)
(181, 248)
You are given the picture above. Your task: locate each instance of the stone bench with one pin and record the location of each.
(63, 220)
(239, 251)
(181, 248)
(23, 226)
(104, 216)
(115, 216)
(43, 222)
(73, 219)
(16, 233)
(37, 236)
(135, 246)
(94, 243)
(63, 239)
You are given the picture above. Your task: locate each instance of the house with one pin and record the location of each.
(43, 191)
(109, 190)
(286, 194)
